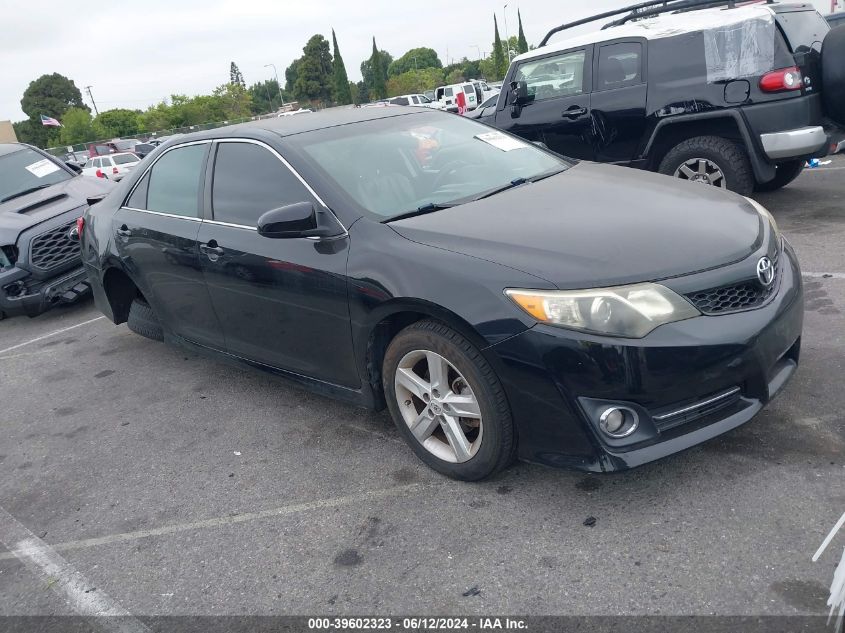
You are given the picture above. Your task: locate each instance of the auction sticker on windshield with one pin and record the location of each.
(42, 168)
(502, 141)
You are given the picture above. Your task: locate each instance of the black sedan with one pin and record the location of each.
(500, 300)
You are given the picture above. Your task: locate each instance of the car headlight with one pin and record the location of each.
(763, 211)
(629, 311)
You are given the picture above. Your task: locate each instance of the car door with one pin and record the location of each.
(156, 237)
(619, 100)
(282, 302)
(557, 111)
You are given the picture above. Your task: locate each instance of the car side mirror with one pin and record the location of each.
(75, 167)
(300, 219)
(519, 93)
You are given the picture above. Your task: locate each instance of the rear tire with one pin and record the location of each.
(142, 320)
(426, 350)
(785, 174)
(726, 163)
(833, 74)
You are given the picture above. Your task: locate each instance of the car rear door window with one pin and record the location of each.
(249, 181)
(620, 65)
(175, 181)
(559, 75)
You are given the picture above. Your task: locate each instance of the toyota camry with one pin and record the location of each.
(500, 300)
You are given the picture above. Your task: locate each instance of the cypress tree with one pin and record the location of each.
(342, 93)
(521, 43)
(500, 62)
(377, 65)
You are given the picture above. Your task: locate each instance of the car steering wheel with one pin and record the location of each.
(447, 170)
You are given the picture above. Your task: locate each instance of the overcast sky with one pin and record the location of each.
(136, 53)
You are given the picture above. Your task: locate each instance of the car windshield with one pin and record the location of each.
(26, 170)
(398, 165)
(124, 159)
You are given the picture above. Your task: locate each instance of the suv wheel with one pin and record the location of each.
(447, 402)
(710, 160)
(785, 174)
(142, 320)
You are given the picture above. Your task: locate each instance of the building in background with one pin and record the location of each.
(7, 132)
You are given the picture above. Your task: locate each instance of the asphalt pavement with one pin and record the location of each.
(163, 482)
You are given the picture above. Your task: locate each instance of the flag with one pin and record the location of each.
(49, 121)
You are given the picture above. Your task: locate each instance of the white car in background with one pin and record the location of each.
(417, 100)
(447, 96)
(112, 166)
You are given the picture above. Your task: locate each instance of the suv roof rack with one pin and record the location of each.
(643, 9)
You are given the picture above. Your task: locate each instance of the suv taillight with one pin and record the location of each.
(114, 170)
(783, 79)
(100, 173)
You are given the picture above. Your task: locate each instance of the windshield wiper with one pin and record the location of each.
(548, 174)
(516, 182)
(24, 192)
(431, 207)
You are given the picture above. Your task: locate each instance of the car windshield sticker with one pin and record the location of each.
(42, 168)
(501, 141)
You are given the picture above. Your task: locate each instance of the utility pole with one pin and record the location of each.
(90, 96)
(507, 38)
(477, 48)
(278, 85)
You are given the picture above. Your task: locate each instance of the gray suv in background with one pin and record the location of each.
(41, 199)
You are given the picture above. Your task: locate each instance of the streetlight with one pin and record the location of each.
(278, 85)
(507, 37)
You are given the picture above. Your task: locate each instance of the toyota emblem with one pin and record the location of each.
(73, 233)
(765, 272)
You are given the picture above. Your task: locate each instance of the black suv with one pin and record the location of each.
(41, 199)
(706, 91)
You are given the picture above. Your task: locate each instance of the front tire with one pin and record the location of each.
(142, 320)
(711, 160)
(784, 174)
(447, 402)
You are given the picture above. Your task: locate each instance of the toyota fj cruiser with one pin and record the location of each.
(727, 94)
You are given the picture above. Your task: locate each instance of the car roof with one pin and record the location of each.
(660, 26)
(289, 125)
(112, 155)
(8, 148)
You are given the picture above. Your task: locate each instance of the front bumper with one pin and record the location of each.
(35, 297)
(803, 141)
(558, 380)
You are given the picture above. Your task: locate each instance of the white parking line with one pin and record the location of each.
(295, 508)
(41, 338)
(102, 612)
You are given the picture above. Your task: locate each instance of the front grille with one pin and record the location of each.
(53, 248)
(744, 295)
(697, 410)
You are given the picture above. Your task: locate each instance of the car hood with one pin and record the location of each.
(598, 225)
(19, 214)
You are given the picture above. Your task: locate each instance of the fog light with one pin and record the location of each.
(618, 422)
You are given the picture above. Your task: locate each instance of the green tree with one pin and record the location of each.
(290, 75)
(79, 127)
(118, 122)
(235, 76)
(500, 60)
(234, 100)
(50, 95)
(414, 81)
(265, 96)
(354, 92)
(368, 75)
(521, 42)
(379, 87)
(314, 72)
(414, 59)
(342, 93)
